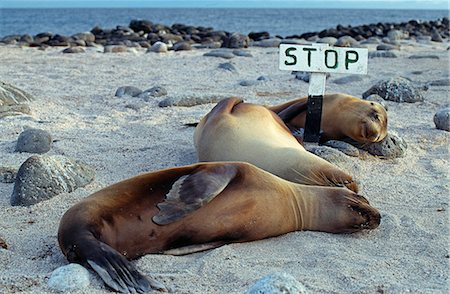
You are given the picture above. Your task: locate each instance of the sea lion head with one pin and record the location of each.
(372, 126)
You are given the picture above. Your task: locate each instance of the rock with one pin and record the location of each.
(263, 79)
(344, 147)
(242, 53)
(3, 244)
(442, 82)
(141, 25)
(392, 146)
(34, 141)
(278, 283)
(397, 35)
(348, 79)
(191, 100)
(346, 41)
(428, 56)
(158, 47)
(436, 36)
(43, 177)
(236, 40)
(223, 53)
(115, 49)
(328, 153)
(227, 66)
(247, 83)
(127, 91)
(7, 174)
(378, 99)
(387, 47)
(86, 36)
(74, 50)
(442, 119)
(396, 89)
(156, 91)
(383, 54)
(69, 278)
(304, 76)
(268, 43)
(327, 40)
(13, 100)
(182, 46)
(258, 36)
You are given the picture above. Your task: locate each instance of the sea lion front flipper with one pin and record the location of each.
(293, 110)
(118, 273)
(190, 192)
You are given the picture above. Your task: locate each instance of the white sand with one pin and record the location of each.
(75, 102)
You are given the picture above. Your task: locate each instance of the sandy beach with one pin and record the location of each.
(124, 137)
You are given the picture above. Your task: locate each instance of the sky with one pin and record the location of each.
(376, 4)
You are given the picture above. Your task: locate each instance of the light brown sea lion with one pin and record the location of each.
(198, 207)
(342, 116)
(237, 131)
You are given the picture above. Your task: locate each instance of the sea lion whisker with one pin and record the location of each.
(305, 178)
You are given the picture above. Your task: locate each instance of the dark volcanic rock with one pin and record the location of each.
(392, 146)
(34, 141)
(141, 25)
(236, 40)
(43, 177)
(259, 36)
(397, 90)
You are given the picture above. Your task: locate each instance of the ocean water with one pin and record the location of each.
(281, 22)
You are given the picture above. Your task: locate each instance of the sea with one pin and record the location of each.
(281, 22)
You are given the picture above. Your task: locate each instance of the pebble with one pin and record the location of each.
(227, 66)
(127, 91)
(442, 119)
(158, 47)
(263, 79)
(277, 283)
(387, 47)
(223, 53)
(156, 91)
(348, 79)
(191, 100)
(428, 56)
(43, 177)
(378, 99)
(13, 100)
(442, 82)
(247, 83)
(69, 278)
(74, 50)
(7, 174)
(382, 54)
(392, 146)
(396, 89)
(3, 244)
(344, 147)
(34, 141)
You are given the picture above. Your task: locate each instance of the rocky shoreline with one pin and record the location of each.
(145, 34)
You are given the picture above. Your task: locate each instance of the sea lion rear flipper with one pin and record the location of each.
(119, 274)
(293, 110)
(190, 192)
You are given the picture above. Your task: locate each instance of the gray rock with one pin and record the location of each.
(74, 50)
(436, 36)
(86, 36)
(115, 49)
(191, 100)
(158, 47)
(442, 119)
(344, 147)
(397, 34)
(442, 82)
(396, 89)
(263, 79)
(382, 54)
(128, 91)
(393, 146)
(247, 83)
(227, 66)
(34, 141)
(328, 153)
(69, 278)
(378, 99)
(423, 39)
(304, 76)
(43, 177)
(387, 47)
(13, 100)
(348, 79)
(242, 53)
(182, 46)
(156, 91)
(267, 43)
(327, 40)
(346, 41)
(223, 53)
(427, 56)
(237, 40)
(7, 174)
(278, 283)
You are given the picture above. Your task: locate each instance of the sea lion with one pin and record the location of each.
(198, 207)
(238, 131)
(342, 116)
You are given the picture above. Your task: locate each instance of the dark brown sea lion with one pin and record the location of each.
(198, 207)
(342, 116)
(237, 131)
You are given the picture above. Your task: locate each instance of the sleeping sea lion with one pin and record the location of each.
(198, 207)
(237, 131)
(342, 116)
